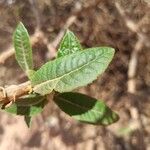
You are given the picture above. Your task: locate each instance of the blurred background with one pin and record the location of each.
(125, 86)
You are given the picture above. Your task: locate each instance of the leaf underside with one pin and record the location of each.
(85, 109)
(69, 72)
(28, 106)
(23, 50)
(69, 44)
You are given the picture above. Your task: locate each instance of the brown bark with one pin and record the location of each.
(13, 92)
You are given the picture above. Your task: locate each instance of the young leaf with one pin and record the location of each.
(69, 72)
(69, 44)
(28, 120)
(28, 106)
(23, 50)
(85, 109)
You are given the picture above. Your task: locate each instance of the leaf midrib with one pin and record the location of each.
(31, 104)
(24, 55)
(81, 107)
(58, 78)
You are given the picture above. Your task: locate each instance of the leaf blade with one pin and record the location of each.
(23, 49)
(69, 72)
(85, 109)
(69, 44)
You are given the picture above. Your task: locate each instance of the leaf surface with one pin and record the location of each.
(69, 44)
(85, 109)
(69, 72)
(23, 50)
(28, 106)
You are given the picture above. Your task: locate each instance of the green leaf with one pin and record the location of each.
(23, 50)
(69, 44)
(69, 72)
(28, 120)
(85, 109)
(28, 106)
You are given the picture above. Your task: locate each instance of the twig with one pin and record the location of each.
(129, 23)
(134, 27)
(133, 63)
(36, 13)
(68, 23)
(13, 92)
(24, 88)
(6, 54)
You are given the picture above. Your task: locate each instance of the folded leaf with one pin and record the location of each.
(69, 44)
(23, 50)
(85, 109)
(69, 72)
(28, 106)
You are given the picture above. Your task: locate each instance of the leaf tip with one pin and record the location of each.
(112, 119)
(113, 50)
(68, 31)
(115, 116)
(28, 121)
(20, 25)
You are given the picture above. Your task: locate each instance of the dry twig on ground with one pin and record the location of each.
(142, 39)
